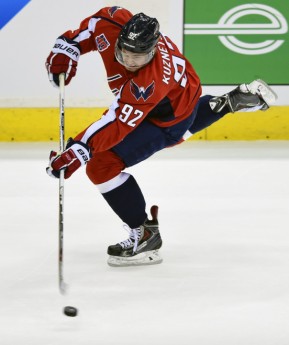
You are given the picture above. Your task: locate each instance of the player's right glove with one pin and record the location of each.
(62, 59)
(75, 155)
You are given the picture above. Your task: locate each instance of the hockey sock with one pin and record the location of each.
(205, 115)
(128, 202)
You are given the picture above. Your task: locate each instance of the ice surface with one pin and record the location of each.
(225, 225)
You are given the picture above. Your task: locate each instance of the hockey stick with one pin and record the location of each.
(62, 285)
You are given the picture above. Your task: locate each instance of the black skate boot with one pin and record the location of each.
(141, 248)
(246, 97)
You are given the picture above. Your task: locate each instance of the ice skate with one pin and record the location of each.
(141, 248)
(246, 97)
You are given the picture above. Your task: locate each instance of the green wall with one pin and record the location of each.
(231, 42)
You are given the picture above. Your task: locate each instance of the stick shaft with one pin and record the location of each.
(61, 184)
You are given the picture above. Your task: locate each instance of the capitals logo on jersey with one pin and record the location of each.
(141, 91)
(112, 10)
(101, 42)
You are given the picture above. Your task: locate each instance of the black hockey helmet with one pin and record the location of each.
(140, 34)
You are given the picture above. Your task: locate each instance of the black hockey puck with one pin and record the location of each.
(70, 311)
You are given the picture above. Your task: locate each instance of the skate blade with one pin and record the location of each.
(146, 258)
(260, 88)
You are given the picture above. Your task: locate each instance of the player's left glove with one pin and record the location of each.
(62, 59)
(75, 155)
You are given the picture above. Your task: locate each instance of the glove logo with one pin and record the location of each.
(68, 49)
(227, 28)
(83, 155)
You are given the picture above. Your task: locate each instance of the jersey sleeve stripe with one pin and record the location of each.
(102, 123)
(85, 34)
(98, 126)
(109, 20)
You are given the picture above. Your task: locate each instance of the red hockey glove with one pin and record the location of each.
(62, 59)
(75, 155)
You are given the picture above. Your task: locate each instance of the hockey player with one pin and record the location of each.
(157, 104)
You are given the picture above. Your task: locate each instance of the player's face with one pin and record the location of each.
(133, 61)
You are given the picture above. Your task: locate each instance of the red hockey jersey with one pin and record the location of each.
(165, 91)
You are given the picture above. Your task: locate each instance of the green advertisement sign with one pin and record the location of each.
(236, 41)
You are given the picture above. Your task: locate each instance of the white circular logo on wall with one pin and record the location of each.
(227, 28)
